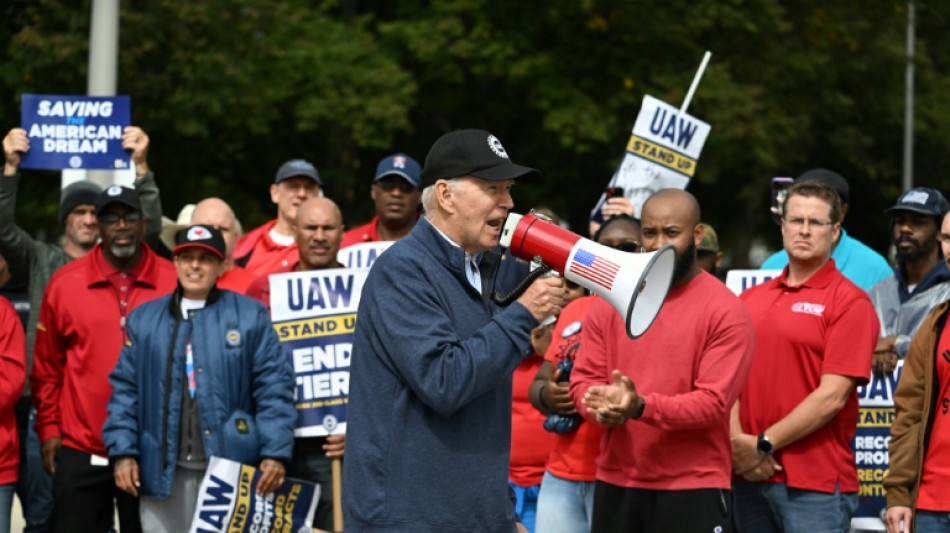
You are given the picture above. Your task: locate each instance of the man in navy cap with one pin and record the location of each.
(858, 262)
(396, 194)
(919, 282)
(270, 247)
(433, 356)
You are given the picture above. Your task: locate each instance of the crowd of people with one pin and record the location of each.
(134, 351)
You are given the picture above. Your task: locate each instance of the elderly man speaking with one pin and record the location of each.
(430, 386)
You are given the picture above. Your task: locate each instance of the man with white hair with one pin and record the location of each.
(433, 356)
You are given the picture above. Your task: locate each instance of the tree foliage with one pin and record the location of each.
(230, 89)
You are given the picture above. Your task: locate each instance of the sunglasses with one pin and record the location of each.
(631, 247)
(111, 219)
(389, 186)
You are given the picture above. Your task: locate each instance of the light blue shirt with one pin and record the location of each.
(472, 273)
(856, 260)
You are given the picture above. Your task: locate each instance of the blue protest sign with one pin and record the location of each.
(75, 131)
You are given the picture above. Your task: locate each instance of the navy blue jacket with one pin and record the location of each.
(244, 386)
(429, 413)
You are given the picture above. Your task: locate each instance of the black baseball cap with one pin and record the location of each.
(117, 194)
(922, 200)
(829, 178)
(472, 153)
(200, 236)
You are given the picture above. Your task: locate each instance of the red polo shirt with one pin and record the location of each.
(264, 256)
(78, 338)
(826, 325)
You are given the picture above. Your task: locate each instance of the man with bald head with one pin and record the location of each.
(318, 232)
(666, 395)
(216, 213)
(792, 427)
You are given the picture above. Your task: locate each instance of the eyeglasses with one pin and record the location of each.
(388, 186)
(798, 222)
(111, 219)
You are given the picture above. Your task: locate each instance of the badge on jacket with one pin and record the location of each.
(233, 338)
(241, 426)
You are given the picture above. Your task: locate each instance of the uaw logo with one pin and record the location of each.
(915, 197)
(572, 329)
(496, 146)
(399, 162)
(115, 190)
(197, 233)
(808, 309)
(233, 338)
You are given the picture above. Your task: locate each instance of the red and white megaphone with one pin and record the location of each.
(634, 284)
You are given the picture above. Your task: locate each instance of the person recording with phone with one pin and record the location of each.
(857, 261)
(614, 203)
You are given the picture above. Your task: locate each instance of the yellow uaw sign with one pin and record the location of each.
(310, 328)
(661, 155)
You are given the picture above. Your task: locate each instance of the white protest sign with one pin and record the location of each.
(740, 280)
(362, 255)
(662, 152)
(314, 315)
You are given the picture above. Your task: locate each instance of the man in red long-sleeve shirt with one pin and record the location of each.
(79, 335)
(665, 397)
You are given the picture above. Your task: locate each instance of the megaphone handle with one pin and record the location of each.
(505, 300)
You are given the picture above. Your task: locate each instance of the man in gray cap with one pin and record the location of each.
(919, 282)
(271, 247)
(430, 389)
(37, 260)
(858, 262)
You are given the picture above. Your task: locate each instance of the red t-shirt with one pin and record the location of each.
(574, 455)
(935, 477)
(530, 443)
(689, 367)
(266, 256)
(826, 325)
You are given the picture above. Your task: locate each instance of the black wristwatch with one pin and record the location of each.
(763, 445)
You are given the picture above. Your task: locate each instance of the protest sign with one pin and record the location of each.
(740, 280)
(662, 152)
(228, 502)
(875, 417)
(75, 132)
(314, 314)
(362, 255)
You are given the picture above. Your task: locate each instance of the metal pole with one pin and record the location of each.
(103, 71)
(909, 101)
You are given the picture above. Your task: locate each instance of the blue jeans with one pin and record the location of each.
(526, 504)
(773, 507)
(35, 487)
(564, 506)
(6, 503)
(932, 522)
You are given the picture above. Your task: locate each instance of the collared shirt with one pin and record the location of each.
(472, 273)
(825, 325)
